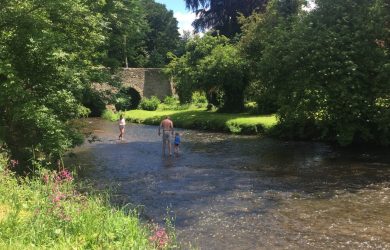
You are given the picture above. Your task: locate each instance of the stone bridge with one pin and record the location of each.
(147, 82)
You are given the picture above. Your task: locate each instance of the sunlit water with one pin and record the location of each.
(243, 192)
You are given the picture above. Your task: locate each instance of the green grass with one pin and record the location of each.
(241, 123)
(38, 214)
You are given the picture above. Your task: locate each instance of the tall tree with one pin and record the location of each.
(46, 51)
(162, 36)
(330, 69)
(126, 33)
(222, 15)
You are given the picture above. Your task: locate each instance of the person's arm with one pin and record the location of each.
(172, 127)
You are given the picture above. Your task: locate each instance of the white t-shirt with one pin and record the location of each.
(122, 122)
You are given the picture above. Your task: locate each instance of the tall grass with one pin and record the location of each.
(47, 212)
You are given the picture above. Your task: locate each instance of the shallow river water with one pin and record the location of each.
(245, 192)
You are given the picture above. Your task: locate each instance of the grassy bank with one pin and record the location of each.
(201, 119)
(46, 212)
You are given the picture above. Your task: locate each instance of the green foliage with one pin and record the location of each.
(46, 52)
(195, 118)
(109, 115)
(327, 68)
(213, 66)
(170, 101)
(199, 99)
(95, 101)
(48, 212)
(222, 15)
(162, 36)
(183, 69)
(123, 100)
(125, 33)
(224, 68)
(150, 104)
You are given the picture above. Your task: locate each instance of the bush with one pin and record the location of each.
(109, 115)
(150, 104)
(199, 99)
(251, 107)
(95, 101)
(122, 102)
(170, 101)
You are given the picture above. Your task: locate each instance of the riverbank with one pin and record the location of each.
(241, 123)
(47, 212)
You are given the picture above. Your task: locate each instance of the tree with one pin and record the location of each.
(126, 33)
(222, 15)
(212, 65)
(162, 36)
(224, 69)
(46, 51)
(330, 70)
(259, 32)
(183, 69)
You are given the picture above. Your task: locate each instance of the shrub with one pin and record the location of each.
(95, 101)
(122, 103)
(170, 101)
(150, 104)
(199, 99)
(109, 115)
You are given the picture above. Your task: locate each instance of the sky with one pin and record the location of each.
(183, 16)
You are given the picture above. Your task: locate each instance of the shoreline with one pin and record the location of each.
(241, 123)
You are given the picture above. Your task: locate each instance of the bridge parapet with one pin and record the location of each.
(147, 81)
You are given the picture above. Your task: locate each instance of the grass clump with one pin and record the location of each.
(47, 212)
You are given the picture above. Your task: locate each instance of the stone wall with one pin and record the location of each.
(147, 81)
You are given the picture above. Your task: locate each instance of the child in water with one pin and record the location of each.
(122, 123)
(177, 143)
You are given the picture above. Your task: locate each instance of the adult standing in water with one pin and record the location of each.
(122, 123)
(167, 129)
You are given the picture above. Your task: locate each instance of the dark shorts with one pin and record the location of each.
(121, 126)
(166, 136)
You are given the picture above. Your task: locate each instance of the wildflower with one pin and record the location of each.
(160, 238)
(58, 197)
(64, 175)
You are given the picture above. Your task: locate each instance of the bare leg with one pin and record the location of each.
(122, 133)
(169, 148)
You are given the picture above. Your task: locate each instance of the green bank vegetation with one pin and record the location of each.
(200, 118)
(324, 70)
(46, 211)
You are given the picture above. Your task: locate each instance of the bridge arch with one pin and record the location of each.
(147, 81)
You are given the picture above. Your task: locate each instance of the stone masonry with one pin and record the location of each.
(147, 81)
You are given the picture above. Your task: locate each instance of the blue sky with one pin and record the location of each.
(183, 16)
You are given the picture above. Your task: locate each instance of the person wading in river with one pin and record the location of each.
(122, 124)
(167, 129)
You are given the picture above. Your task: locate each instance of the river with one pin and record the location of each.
(246, 192)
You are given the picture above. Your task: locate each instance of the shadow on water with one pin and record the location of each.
(243, 192)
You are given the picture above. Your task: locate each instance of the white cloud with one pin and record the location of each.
(185, 20)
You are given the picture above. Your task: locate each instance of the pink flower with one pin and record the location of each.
(58, 197)
(64, 175)
(160, 238)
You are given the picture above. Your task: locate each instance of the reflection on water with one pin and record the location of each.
(243, 192)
